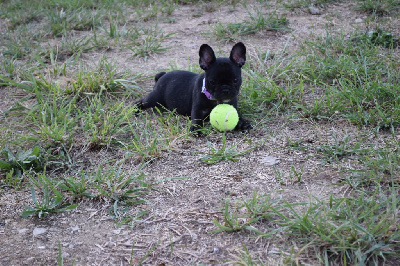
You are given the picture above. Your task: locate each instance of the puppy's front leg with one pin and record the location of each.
(197, 120)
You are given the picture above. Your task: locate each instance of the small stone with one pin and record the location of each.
(117, 231)
(216, 250)
(65, 255)
(39, 231)
(269, 160)
(23, 230)
(358, 20)
(75, 228)
(314, 10)
(97, 235)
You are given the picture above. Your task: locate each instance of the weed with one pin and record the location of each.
(9, 68)
(154, 247)
(297, 144)
(149, 139)
(380, 37)
(360, 85)
(54, 120)
(16, 164)
(342, 147)
(346, 230)
(354, 229)
(147, 14)
(244, 258)
(102, 123)
(257, 23)
(18, 47)
(129, 85)
(215, 155)
(233, 222)
(279, 176)
(168, 8)
(52, 199)
(150, 42)
(77, 186)
(269, 83)
(64, 20)
(12, 180)
(378, 7)
(296, 174)
(247, 213)
(97, 80)
(122, 218)
(120, 187)
(380, 166)
(169, 121)
(69, 47)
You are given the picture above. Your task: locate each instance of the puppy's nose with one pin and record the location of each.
(225, 90)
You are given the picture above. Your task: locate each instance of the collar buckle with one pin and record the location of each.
(204, 90)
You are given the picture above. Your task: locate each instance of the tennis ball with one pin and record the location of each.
(224, 117)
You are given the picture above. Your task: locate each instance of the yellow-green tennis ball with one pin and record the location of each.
(224, 117)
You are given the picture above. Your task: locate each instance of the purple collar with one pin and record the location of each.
(204, 90)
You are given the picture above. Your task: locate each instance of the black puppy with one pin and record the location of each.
(196, 95)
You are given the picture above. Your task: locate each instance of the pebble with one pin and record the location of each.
(314, 10)
(39, 231)
(269, 160)
(75, 228)
(23, 230)
(65, 255)
(358, 20)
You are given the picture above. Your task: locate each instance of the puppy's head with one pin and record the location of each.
(223, 75)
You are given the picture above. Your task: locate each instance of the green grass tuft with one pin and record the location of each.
(349, 230)
(258, 22)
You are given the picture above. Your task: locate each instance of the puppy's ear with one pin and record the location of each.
(238, 54)
(207, 56)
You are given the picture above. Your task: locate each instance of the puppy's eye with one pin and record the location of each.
(235, 81)
(212, 82)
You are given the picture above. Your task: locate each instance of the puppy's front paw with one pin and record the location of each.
(243, 125)
(196, 131)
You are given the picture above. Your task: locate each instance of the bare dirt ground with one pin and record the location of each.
(177, 229)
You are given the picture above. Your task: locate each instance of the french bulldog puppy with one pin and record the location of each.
(195, 95)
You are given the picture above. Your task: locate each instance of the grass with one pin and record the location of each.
(349, 230)
(257, 23)
(21, 161)
(149, 42)
(356, 81)
(150, 140)
(215, 155)
(380, 7)
(71, 134)
(53, 200)
(357, 74)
